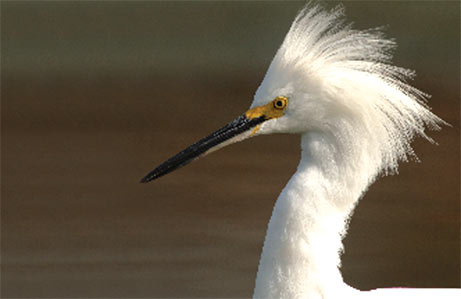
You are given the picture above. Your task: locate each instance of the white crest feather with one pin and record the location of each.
(350, 71)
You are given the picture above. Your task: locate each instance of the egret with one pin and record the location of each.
(336, 87)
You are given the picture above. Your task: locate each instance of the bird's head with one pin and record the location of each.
(328, 77)
(305, 105)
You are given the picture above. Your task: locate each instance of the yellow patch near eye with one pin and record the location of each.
(274, 109)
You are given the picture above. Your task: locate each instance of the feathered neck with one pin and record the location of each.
(357, 118)
(301, 254)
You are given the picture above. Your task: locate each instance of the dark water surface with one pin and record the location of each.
(94, 95)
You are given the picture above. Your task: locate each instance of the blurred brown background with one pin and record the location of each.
(95, 94)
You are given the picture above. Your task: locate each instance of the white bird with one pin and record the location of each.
(356, 115)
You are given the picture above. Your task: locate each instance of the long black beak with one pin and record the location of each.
(218, 139)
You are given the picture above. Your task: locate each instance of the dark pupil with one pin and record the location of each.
(279, 103)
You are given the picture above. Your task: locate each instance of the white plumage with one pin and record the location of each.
(356, 115)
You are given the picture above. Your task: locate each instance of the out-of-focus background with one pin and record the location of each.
(95, 94)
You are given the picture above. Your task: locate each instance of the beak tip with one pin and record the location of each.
(145, 179)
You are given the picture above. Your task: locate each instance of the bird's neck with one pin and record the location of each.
(301, 254)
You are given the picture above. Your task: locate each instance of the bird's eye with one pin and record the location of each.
(280, 103)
